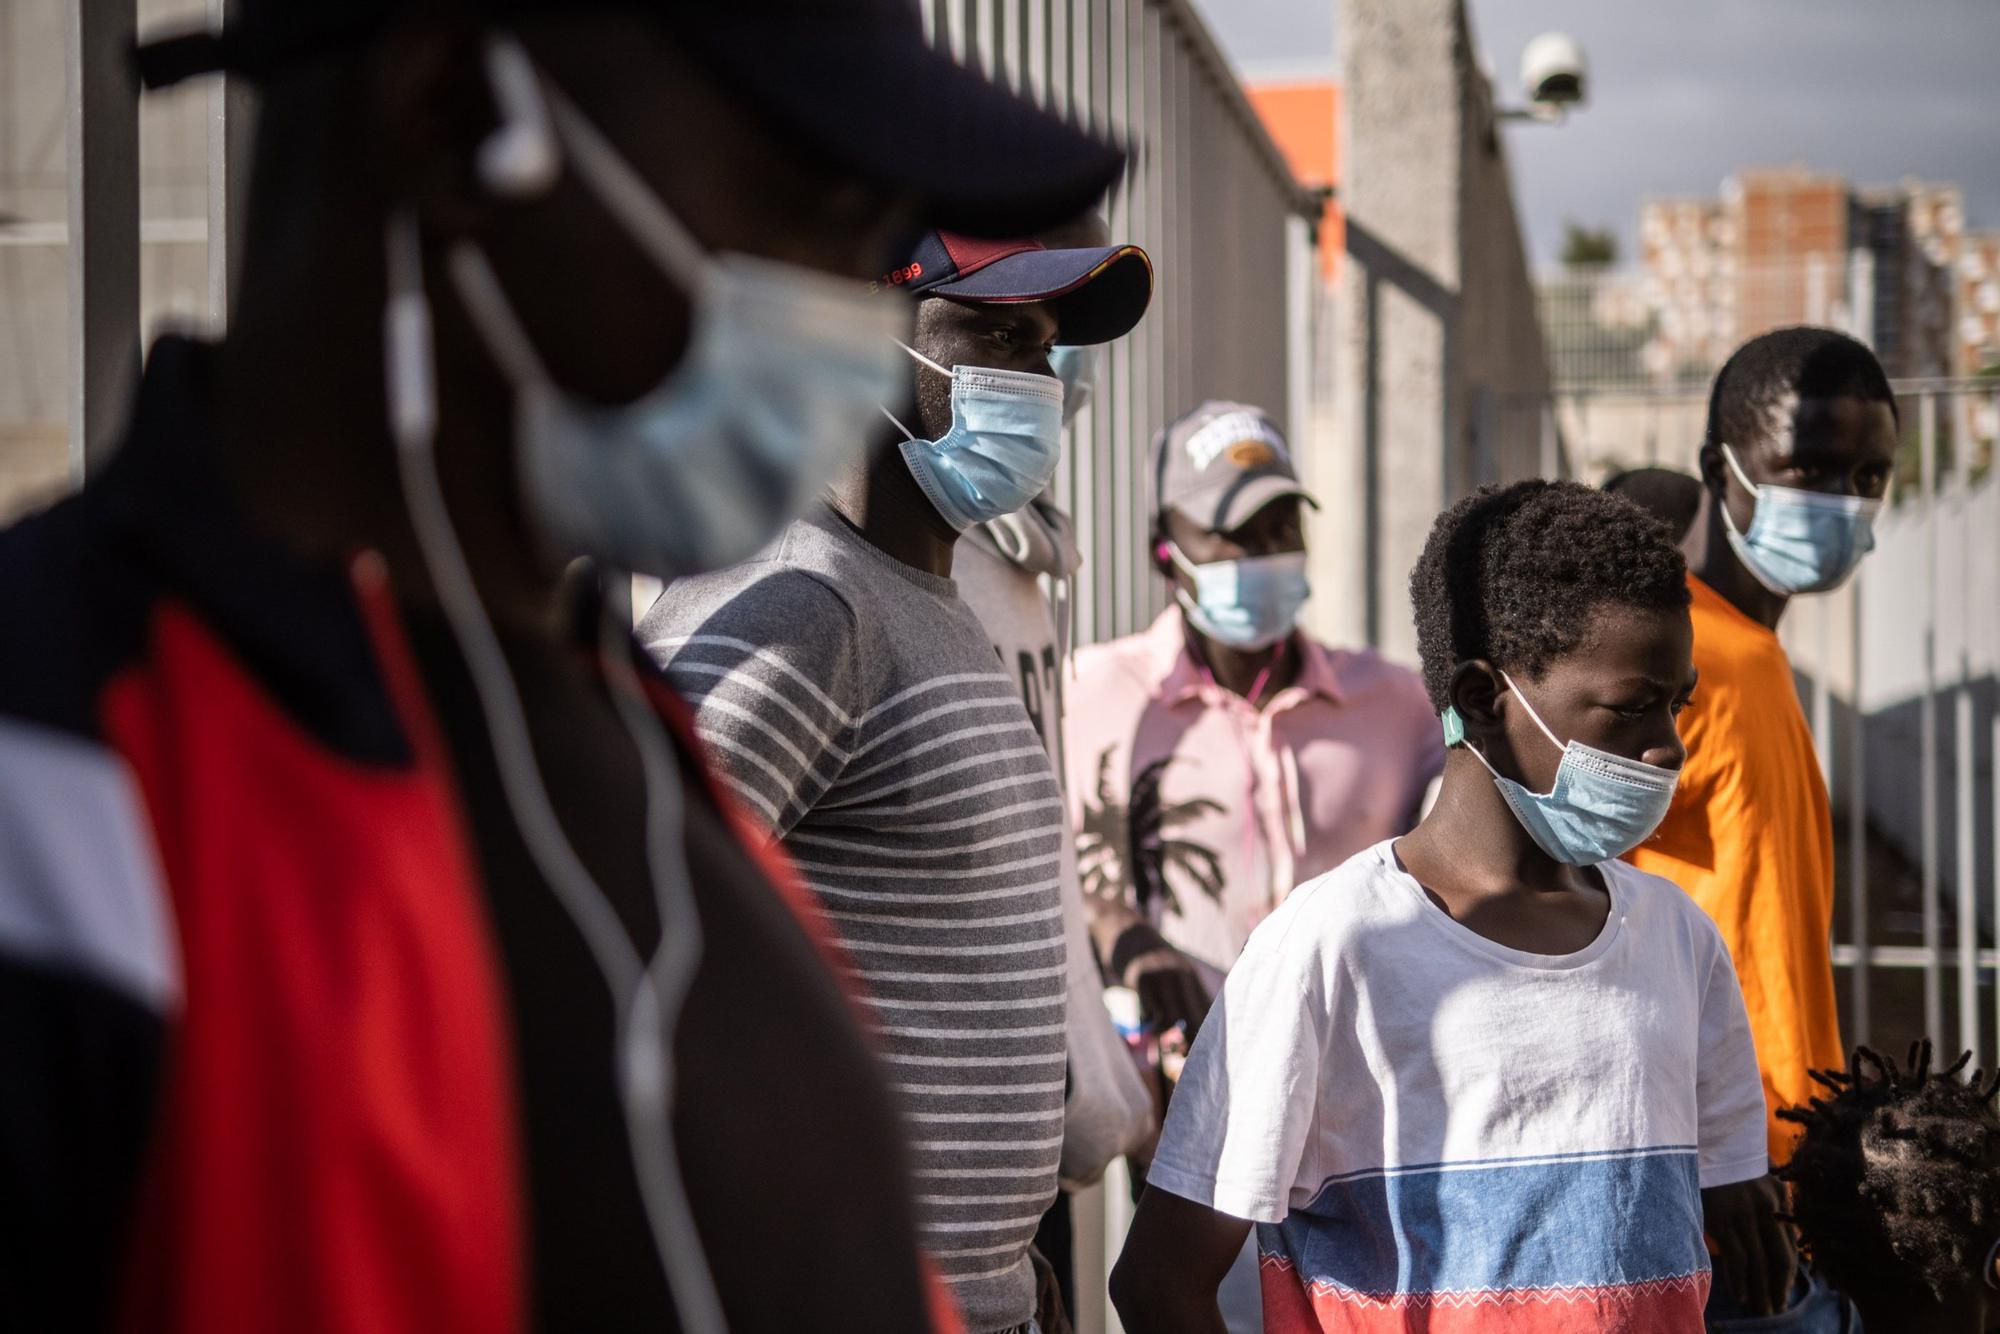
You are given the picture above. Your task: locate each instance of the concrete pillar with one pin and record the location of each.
(1439, 373)
(1396, 310)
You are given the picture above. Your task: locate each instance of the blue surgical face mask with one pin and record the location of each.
(1076, 367)
(1800, 541)
(1002, 449)
(785, 368)
(1602, 805)
(1250, 603)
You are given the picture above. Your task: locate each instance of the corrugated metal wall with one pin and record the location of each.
(1212, 201)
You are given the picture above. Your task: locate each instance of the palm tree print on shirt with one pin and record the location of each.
(1125, 848)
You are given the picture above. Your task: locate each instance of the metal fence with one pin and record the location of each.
(1206, 193)
(1899, 674)
(1211, 199)
(1673, 324)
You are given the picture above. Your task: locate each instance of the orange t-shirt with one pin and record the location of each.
(1750, 837)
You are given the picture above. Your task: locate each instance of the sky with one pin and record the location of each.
(1683, 93)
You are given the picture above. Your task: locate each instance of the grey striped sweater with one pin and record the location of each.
(856, 704)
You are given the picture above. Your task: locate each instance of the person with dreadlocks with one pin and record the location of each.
(1896, 1191)
(1486, 1076)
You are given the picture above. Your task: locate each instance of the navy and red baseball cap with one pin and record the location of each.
(1097, 293)
(854, 80)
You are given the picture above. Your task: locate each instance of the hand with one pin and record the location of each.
(1754, 1256)
(1168, 983)
(1049, 1313)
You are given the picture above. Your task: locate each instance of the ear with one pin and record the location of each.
(1157, 548)
(431, 107)
(1714, 471)
(1475, 692)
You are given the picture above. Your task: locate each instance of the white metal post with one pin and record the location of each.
(1927, 718)
(1968, 899)
(1857, 838)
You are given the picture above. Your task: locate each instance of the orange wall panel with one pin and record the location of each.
(1303, 118)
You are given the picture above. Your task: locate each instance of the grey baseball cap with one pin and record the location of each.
(1222, 463)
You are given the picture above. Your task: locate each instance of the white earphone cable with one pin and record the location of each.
(646, 995)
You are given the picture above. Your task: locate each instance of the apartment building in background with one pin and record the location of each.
(1895, 265)
(1976, 336)
(1794, 246)
(1687, 286)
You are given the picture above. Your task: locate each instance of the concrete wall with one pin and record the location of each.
(1434, 314)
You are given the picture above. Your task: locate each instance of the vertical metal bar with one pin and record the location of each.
(1119, 118)
(951, 28)
(102, 114)
(1968, 900)
(1822, 691)
(1036, 68)
(1159, 167)
(230, 123)
(1968, 897)
(1020, 42)
(1062, 71)
(1927, 720)
(1090, 423)
(1857, 840)
(984, 19)
(1993, 771)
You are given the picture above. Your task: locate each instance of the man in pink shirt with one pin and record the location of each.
(1223, 756)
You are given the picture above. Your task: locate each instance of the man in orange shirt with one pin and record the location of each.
(1801, 441)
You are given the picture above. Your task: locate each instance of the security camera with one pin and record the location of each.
(1553, 72)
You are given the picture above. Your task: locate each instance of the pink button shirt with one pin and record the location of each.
(1206, 810)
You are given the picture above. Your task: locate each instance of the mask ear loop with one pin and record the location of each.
(924, 360)
(621, 190)
(1475, 751)
(479, 287)
(1559, 745)
(1739, 541)
(1178, 559)
(1729, 457)
(894, 420)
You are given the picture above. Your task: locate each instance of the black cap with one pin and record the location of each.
(853, 79)
(1098, 293)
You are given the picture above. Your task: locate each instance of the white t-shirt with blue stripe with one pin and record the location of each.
(1424, 1121)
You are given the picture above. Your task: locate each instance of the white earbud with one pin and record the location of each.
(519, 160)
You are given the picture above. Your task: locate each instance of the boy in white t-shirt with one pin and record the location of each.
(1486, 1076)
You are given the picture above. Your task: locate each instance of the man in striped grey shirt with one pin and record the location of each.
(855, 704)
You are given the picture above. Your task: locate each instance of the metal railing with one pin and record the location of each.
(1210, 197)
(1899, 676)
(1673, 325)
